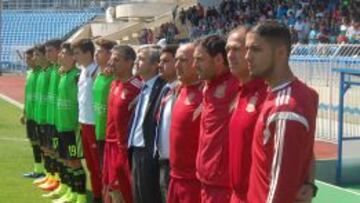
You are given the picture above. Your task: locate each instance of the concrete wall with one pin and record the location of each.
(142, 9)
(83, 32)
(103, 29)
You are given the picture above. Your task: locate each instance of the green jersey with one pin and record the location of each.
(67, 102)
(30, 87)
(101, 90)
(41, 95)
(52, 94)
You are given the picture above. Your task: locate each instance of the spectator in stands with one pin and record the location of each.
(323, 35)
(294, 35)
(281, 10)
(353, 33)
(150, 36)
(291, 20)
(299, 13)
(346, 23)
(168, 31)
(301, 29)
(313, 34)
(182, 16)
(341, 39)
(143, 36)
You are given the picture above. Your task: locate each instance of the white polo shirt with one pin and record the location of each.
(85, 97)
(164, 123)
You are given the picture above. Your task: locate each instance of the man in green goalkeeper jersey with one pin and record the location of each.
(70, 150)
(41, 91)
(28, 114)
(101, 90)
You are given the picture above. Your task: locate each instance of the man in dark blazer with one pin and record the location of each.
(145, 165)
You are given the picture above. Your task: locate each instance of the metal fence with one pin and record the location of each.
(313, 64)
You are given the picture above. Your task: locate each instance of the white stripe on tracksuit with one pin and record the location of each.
(283, 97)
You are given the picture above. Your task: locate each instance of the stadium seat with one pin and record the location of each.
(22, 29)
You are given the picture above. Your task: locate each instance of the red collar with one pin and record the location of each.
(252, 85)
(219, 79)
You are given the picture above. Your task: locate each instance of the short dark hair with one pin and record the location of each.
(214, 44)
(40, 48)
(85, 45)
(105, 44)
(171, 48)
(126, 52)
(29, 51)
(67, 47)
(274, 32)
(56, 43)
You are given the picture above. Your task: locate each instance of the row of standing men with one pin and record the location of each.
(210, 121)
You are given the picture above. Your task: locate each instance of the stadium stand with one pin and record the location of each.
(310, 21)
(21, 29)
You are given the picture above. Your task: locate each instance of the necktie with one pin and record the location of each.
(138, 111)
(163, 96)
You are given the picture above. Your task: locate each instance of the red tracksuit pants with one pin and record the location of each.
(116, 170)
(92, 158)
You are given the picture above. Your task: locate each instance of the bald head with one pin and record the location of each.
(187, 49)
(185, 70)
(235, 49)
(240, 32)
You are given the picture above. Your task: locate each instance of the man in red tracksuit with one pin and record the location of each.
(184, 186)
(219, 94)
(252, 93)
(123, 92)
(282, 152)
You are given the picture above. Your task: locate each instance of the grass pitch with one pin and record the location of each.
(15, 159)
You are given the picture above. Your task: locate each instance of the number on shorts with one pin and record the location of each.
(72, 150)
(56, 142)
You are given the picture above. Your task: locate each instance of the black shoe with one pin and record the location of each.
(33, 175)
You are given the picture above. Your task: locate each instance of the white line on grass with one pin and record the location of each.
(11, 101)
(19, 105)
(14, 139)
(338, 188)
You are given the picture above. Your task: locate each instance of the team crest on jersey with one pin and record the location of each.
(116, 91)
(252, 104)
(123, 94)
(189, 98)
(220, 91)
